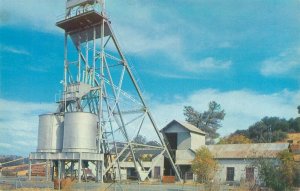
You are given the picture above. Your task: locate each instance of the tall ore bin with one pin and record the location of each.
(80, 131)
(50, 133)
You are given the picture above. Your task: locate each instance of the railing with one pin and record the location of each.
(77, 11)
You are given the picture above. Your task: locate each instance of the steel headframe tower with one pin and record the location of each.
(98, 80)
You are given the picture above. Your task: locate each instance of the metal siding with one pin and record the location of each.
(50, 133)
(184, 157)
(176, 128)
(80, 132)
(197, 141)
(183, 140)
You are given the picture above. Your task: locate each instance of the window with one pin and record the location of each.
(189, 175)
(230, 174)
(249, 174)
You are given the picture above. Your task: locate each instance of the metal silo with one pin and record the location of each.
(80, 131)
(50, 133)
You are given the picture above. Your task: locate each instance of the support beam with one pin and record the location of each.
(51, 170)
(29, 170)
(72, 168)
(59, 174)
(47, 170)
(100, 170)
(63, 169)
(97, 171)
(137, 88)
(79, 170)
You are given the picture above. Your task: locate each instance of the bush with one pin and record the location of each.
(278, 174)
(204, 165)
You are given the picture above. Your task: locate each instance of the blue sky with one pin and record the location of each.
(243, 54)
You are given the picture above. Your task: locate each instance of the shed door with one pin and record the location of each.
(157, 172)
(250, 174)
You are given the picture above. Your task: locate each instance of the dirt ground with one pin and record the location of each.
(37, 184)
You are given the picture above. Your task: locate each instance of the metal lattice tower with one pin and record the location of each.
(98, 80)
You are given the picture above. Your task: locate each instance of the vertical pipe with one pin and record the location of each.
(79, 61)
(65, 70)
(100, 114)
(94, 55)
(86, 59)
(101, 89)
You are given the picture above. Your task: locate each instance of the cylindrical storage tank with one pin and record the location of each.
(50, 133)
(80, 131)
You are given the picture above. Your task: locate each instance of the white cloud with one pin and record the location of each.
(19, 120)
(286, 63)
(242, 107)
(38, 15)
(13, 50)
(170, 75)
(207, 65)
(138, 41)
(18, 125)
(140, 30)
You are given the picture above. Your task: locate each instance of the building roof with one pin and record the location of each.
(185, 125)
(238, 151)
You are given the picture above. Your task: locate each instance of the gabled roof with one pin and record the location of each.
(185, 125)
(238, 151)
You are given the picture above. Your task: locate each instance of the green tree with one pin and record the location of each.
(153, 143)
(140, 139)
(204, 165)
(209, 121)
(235, 139)
(277, 175)
(298, 109)
(269, 129)
(288, 166)
(270, 174)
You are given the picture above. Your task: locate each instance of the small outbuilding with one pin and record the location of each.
(237, 161)
(183, 139)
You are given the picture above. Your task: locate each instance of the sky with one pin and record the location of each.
(245, 55)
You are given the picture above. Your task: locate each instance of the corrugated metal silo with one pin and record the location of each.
(50, 133)
(80, 131)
